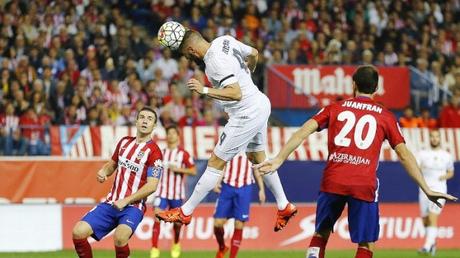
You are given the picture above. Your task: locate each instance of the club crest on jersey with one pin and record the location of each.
(140, 155)
(158, 163)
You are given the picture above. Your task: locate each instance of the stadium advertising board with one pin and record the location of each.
(84, 141)
(400, 227)
(304, 86)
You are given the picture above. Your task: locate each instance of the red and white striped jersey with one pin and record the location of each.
(171, 184)
(134, 162)
(238, 172)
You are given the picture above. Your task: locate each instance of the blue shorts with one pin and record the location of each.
(233, 203)
(165, 203)
(104, 218)
(363, 216)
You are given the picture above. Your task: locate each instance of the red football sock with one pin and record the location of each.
(363, 253)
(122, 251)
(236, 241)
(219, 233)
(83, 248)
(318, 242)
(155, 233)
(177, 232)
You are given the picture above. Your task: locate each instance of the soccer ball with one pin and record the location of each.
(171, 34)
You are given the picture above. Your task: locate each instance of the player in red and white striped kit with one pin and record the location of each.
(234, 201)
(177, 163)
(137, 162)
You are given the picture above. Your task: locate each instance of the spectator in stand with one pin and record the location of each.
(33, 132)
(426, 121)
(208, 119)
(190, 118)
(92, 118)
(409, 120)
(167, 64)
(450, 114)
(11, 140)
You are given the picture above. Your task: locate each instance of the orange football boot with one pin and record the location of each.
(174, 215)
(283, 216)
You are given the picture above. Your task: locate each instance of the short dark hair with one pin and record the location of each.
(172, 127)
(189, 37)
(146, 108)
(366, 79)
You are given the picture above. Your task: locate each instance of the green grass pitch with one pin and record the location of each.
(452, 253)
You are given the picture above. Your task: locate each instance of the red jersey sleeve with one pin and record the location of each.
(117, 150)
(393, 132)
(322, 117)
(188, 160)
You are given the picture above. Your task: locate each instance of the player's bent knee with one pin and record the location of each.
(239, 224)
(256, 157)
(219, 222)
(122, 235)
(81, 230)
(216, 162)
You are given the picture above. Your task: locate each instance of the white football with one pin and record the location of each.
(171, 34)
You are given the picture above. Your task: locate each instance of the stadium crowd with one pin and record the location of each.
(98, 62)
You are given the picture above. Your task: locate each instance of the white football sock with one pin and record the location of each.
(207, 182)
(430, 237)
(272, 181)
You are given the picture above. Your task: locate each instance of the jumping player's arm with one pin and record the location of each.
(250, 55)
(231, 92)
(252, 59)
(410, 164)
(296, 139)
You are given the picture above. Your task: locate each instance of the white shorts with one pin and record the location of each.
(427, 206)
(246, 132)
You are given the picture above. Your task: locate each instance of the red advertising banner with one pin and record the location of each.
(305, 86)
(84, 141)
(52, 181)
(400, 227)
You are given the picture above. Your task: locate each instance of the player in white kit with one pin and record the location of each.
(228, 67)
(437, 166)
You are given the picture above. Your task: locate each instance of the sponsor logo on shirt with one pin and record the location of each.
(348, 159)
(128, 164)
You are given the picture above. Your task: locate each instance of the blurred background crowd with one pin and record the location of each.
(81, 62)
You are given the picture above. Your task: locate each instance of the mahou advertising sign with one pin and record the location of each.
(304, 86)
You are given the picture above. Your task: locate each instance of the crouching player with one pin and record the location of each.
(137, 163)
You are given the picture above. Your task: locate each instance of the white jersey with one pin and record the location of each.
(435, 163)
(225, 65)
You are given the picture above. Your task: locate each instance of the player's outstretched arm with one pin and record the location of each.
(409, 163)
(230, 92)
(296, 139)
(106, 171)
(143, 192)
